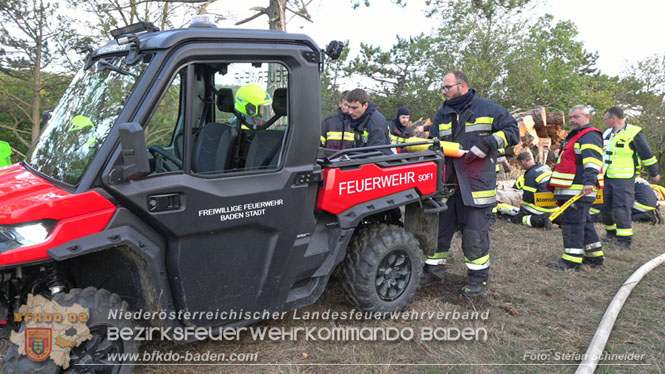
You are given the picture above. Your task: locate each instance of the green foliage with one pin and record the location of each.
(642, 95)
(402, 75)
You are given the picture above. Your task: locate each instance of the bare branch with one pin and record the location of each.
(15, 130)
(301, 13)
(260, 11)
(17, 151)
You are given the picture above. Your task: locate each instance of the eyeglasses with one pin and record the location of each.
(447, 88)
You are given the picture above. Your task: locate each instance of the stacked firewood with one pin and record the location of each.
(541, 132)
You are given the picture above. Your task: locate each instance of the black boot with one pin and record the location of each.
(562, 264)
(474, 289)
(620, 244)
(594, 262)
(432, 274)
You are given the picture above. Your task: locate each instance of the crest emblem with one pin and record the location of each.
(38, 343)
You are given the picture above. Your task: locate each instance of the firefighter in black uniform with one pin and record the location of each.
(645, 207)
(480, 126)
(578, 171)
(535, 179)
(369, 126)
(626, 148)
(399, 129)
(336, 132)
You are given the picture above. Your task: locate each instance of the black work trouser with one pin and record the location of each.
(474, 224)
(580, 238)
(530, 219)
(618, 199)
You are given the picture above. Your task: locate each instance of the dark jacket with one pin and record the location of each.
(645, 198)
(336, 132)
(371, 129)
(479, 119)
(534, 180)
(399, 133)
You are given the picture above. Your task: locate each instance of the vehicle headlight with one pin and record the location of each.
(25, 234)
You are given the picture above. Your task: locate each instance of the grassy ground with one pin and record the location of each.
(536, 316)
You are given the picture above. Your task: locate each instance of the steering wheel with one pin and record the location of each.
(160, 155)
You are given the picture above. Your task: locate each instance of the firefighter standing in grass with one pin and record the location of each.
(578, 170)
(480, 126)
(626, 149)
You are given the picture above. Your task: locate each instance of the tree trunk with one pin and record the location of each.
(277, 15)
(36, 84)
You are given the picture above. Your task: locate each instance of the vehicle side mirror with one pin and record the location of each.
(46, 116)
(225, 100)
(135, 162)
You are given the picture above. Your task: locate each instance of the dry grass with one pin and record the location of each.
(557, 312)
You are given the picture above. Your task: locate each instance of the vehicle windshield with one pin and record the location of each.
(83, 118)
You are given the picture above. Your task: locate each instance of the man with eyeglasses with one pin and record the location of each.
(370, 127)
(480, 126)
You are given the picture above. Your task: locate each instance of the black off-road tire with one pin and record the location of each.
(382, 269)
(99, 303)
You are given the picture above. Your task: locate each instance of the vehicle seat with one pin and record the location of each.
(264, 150)
(213, 150)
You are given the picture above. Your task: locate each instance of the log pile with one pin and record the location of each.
(540, 132)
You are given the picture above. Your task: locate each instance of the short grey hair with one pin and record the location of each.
(582, 108)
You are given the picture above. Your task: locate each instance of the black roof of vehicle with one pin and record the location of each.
(169, 38)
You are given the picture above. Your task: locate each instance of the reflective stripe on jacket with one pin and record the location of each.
(579, 163)
(479, 119)
(621, 158)
(336, 132)
(535, 179)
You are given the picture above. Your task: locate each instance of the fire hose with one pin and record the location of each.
(599, 340)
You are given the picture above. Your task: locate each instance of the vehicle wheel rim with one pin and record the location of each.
(92, 355)
(393, 275)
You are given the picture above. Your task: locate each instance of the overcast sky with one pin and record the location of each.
(621, 31)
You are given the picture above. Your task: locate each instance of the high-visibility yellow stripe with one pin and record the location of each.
(488, 120)
(543, 176)
(501, 136)
(323, 140)
(540, 209)
(593, 147)
(439, 255)
(520, 182)
(529, 189)
(445, 126)
(642, 207)
(488, 193)
(594, 254)
(624, 232)
(557, 174)
(592, 160)
(577, 260)
(478, 261)
(650, 161)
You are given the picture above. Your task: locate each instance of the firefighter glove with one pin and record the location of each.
(481, 149)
